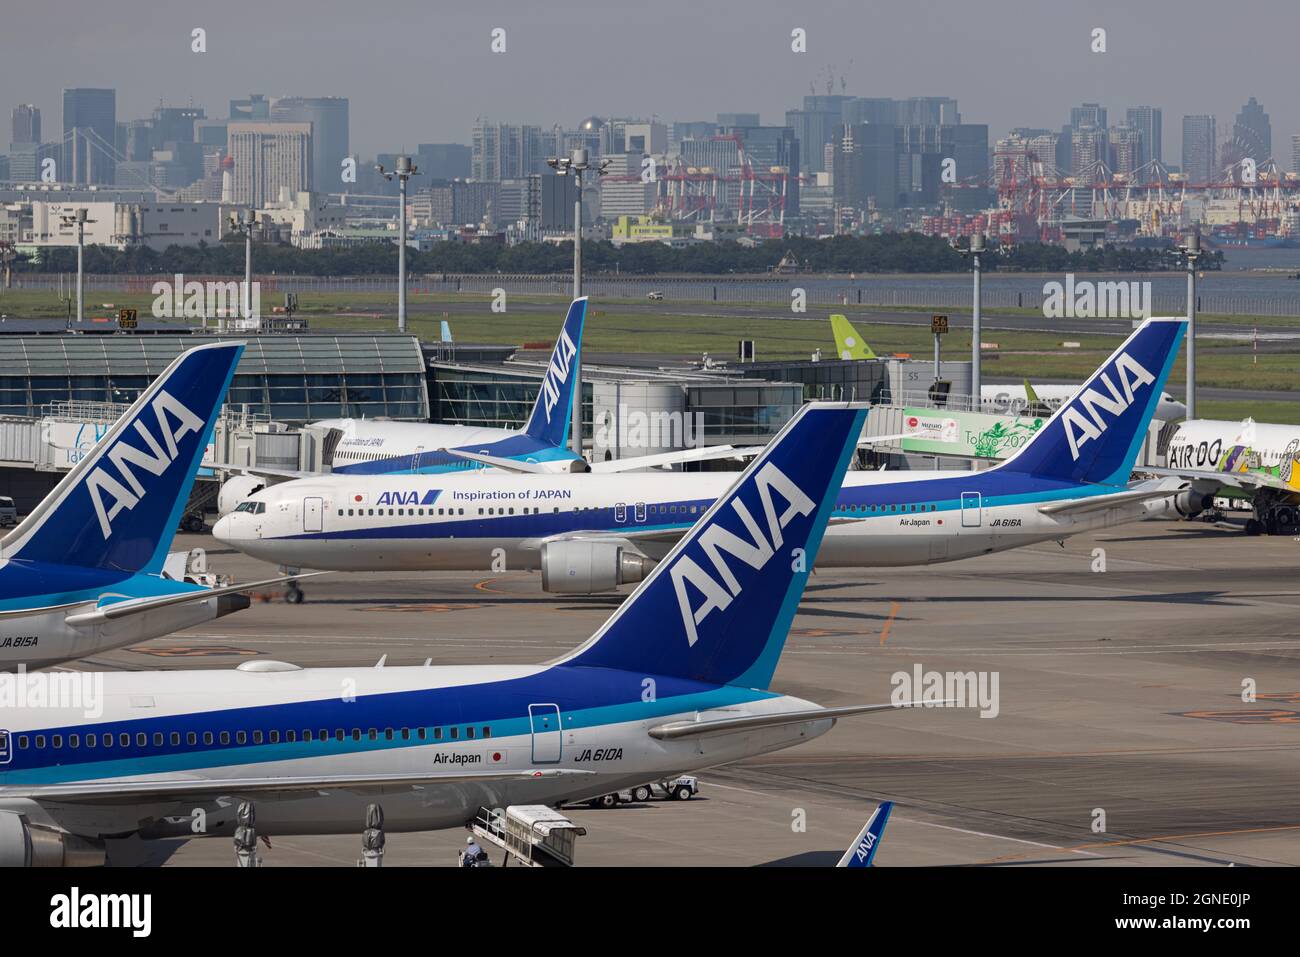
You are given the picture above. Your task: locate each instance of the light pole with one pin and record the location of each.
(243, 222)
(404, 171)
(578, 161)
(1191, 252)
(78, 218)
(976, 384)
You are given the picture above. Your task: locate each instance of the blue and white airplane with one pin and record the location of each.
(591, 533)
(84, 572)
(677, 679)
(862, 852)
(369, 447)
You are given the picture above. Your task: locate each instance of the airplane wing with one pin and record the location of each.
(275, 475)
(1245, 480)
(174, 788)
(706, 454)
(1096, 503)
(508, 465)
(629, 538)
(675, 730)
(125, 609)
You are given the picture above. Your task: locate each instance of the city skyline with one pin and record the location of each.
(1029, 76)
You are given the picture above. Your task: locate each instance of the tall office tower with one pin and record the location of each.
(1148, 120)
(645, 138)
(1089, 114)
(1199, 156)
(444, 160)
(268, 158)
(866, 166)
(26, 124)
(328, 116)
(1295, 153)
(1253, 133)
(688, 130)
(1126, 150)
(1089, 147)
(253, 108)
(622, 193)
(738, 119)
(502, 151)
(89, 136)
(925, 111)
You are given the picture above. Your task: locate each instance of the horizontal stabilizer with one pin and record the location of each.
(1095, 503)
(125, 609)
(674, 730)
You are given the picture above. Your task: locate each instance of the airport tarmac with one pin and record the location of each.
(1120, 697)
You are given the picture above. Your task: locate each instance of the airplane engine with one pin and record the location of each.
(22, 845)
(1192, 502)
(585, 568)
(235, 490)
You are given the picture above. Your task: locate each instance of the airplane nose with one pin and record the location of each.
(222, 530)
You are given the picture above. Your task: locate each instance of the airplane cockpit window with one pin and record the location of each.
(252, 508)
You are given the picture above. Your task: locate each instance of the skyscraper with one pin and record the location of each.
(328, 116)
(269, 157)
(1148, 121)
(89, 136)
(1252, 132)
(1199, 155)
(26, 124)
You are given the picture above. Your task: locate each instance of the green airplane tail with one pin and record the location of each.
(848, 343)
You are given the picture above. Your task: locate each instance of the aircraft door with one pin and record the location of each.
(545, 721)
(620, 513)
(640, 511)
(415, 458)
(972, 512)
(311, 514)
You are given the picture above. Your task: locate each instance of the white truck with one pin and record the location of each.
(681, 788)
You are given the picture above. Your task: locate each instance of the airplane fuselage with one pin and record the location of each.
(453, 722)
(494, 521)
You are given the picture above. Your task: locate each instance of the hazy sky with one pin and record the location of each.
(422, 70)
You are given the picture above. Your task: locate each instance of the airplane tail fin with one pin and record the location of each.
(848, 343)
(863, 850)
(717, 609)
(1095, 435)
(118, 508)
(446, 332)
(553, 409)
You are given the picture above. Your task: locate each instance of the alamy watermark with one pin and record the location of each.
(213, 299)
(947, 689)
(63, 690)
(636, 429)
(1085, 299)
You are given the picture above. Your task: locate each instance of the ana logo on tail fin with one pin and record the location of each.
(549, 422)
(717, 609)
(1095, 435)
(863, 850)
(118, 508)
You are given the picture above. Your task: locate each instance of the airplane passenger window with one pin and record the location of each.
(356, 734)
(388, 734)
(273, 737)
(56, 741)
(340, 511)
(487, 731)
(338, 735)
(241, 737)
(349, 511)
(22, 742)
(224, 737)
(207, 737)
(91, 740)
(141, 739)
(419, 733)
(455, 733)
(124, 739)
(191, 737)
(290, 736)
(437, 734)
(373, 734)
(40, 742)
(74, 740)
(175, 738)
(469, 732)
(462, 511)
(257, 737)
(406, 734)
